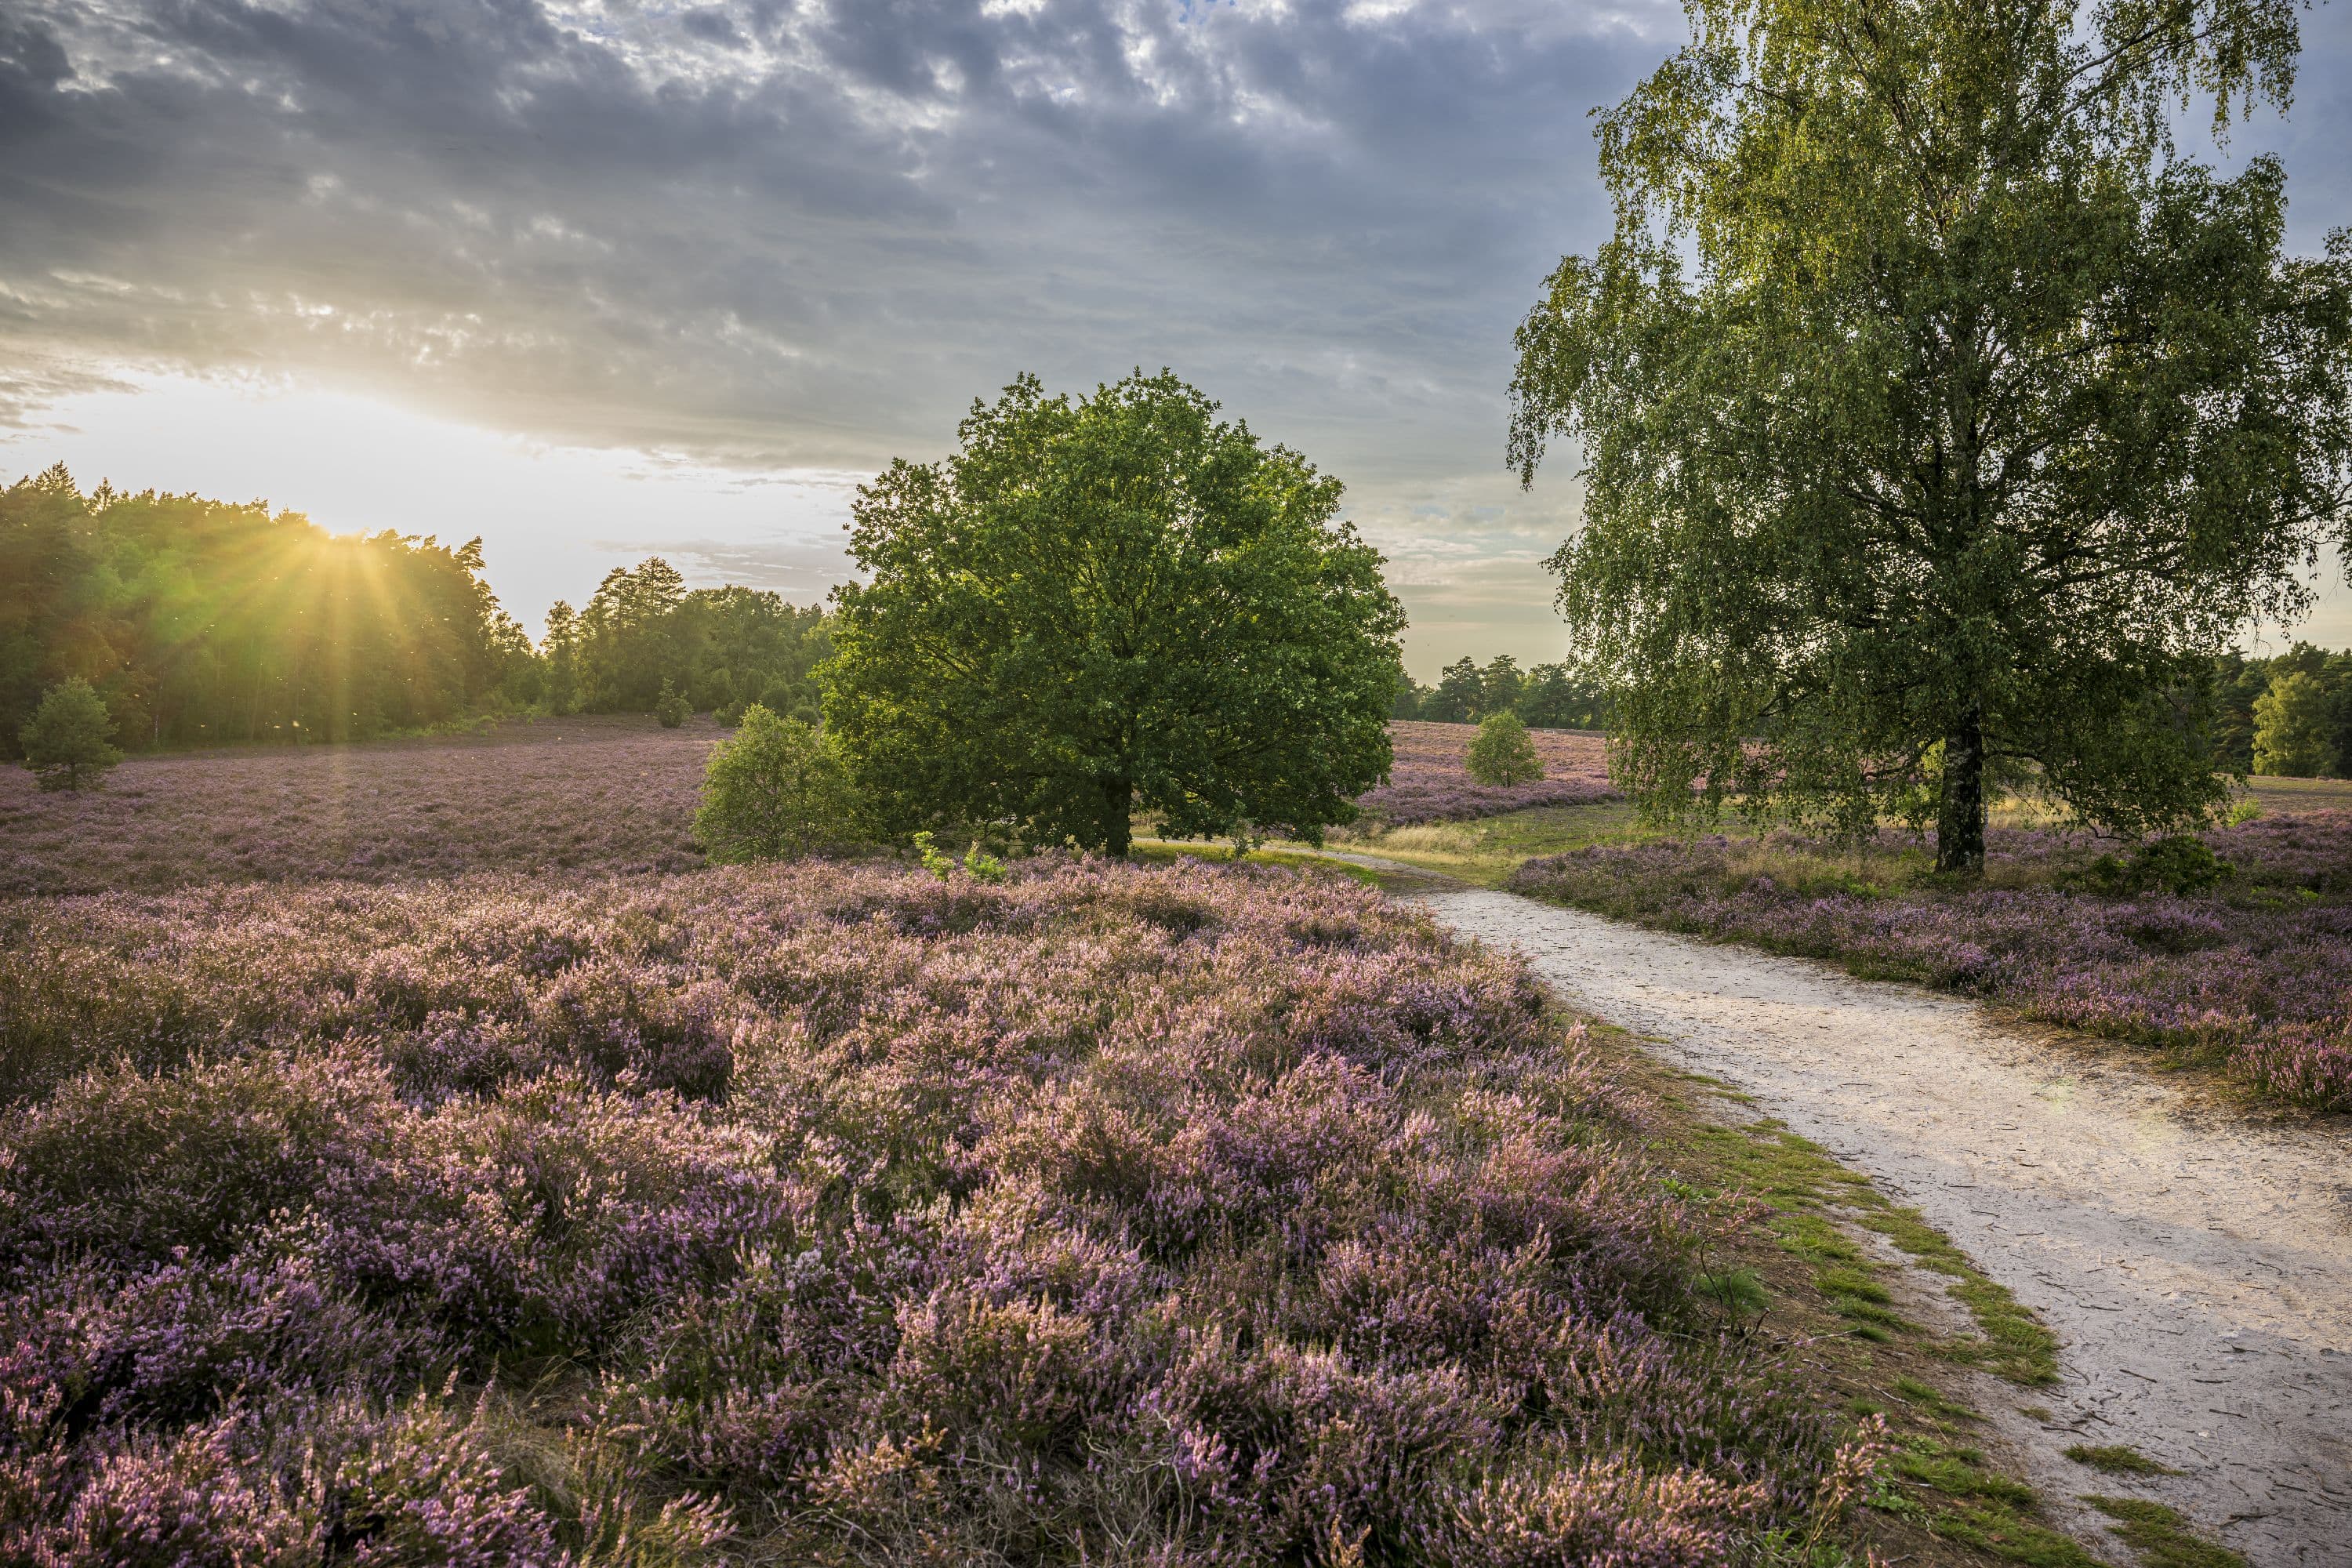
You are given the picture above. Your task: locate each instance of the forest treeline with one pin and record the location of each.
(202, 622)
(2289, 715)
(2286, 716)
(1548, 697)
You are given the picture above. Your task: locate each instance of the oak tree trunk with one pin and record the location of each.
(1119, 806)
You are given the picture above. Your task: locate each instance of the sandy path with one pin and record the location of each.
(2198, 1272)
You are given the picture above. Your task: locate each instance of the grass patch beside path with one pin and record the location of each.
(2161, 1537)
(1167, 852)
(1812, 1272)
(1815, 1199)
(1486, 851)
(2118, 1460)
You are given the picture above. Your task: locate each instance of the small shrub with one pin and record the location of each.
(2180, 864)
(670, 707)
(937, 865)
(1502, 754)
(68, 742)
(775, 791)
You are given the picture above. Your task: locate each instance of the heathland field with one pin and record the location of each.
(413, 1152)
(402, 1162)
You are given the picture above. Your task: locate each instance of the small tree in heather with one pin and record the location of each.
(2291, 739)
(68, 742)
(1502, 754)
(776, 789)
(670, 707)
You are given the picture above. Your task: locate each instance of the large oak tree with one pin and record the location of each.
(1939, 419)
(1106, 605)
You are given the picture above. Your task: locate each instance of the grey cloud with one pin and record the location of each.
(801, 571)
(800, 234)
(791, 233)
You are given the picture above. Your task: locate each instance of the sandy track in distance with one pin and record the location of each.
(2197, 1270)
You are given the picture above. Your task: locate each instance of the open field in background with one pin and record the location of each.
(2301, 794)
(589, 792)
(1430, 783)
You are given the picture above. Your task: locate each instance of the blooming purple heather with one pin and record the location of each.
(611, 794)
(602, 793)
(1431, 782)
(837, 1211)
(2256, 971)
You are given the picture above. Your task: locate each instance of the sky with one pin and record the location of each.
(600, 280)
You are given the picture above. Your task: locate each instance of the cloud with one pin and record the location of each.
(805, 234)
(801, 234)
(802, 570)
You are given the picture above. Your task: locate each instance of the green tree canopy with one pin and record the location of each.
(1107, 603)
(2291, 727)
(1937, 417)
(69, 740)
(1461, 692)
(718, 649)
(198, 621)
(1501, 754)
(774, 790)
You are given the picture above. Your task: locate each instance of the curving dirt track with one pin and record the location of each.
(2196, 1270)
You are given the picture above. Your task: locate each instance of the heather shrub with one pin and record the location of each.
(129, 1168)
(744, 1384)
(150, 1500)
(175, 1343)
(543, 1217)
(294, 1482)
(1226, 1213)
(1584, 1510)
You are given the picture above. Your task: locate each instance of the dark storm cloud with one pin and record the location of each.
(798, 233)
(793, 232)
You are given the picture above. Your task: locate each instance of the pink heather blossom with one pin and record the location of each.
(1239, 1213)
(1431, 782)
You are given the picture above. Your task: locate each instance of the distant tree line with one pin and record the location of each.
(2286, 716)
(716, 650)
(198, 622)
(1548, 697)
